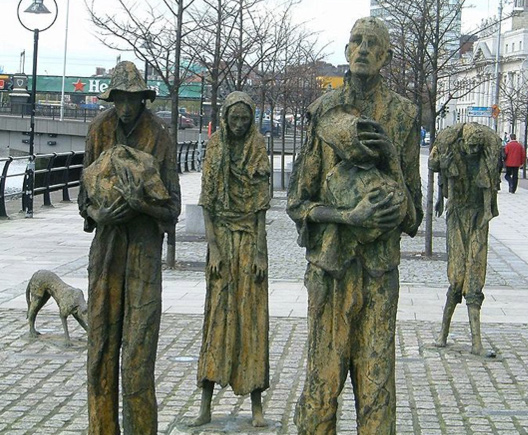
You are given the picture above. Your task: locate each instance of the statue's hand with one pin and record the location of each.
(116, 213)
(485, 218)
(447, 160)
(374, 137)
(259, 268)
(376, 210)
(439, 207)
(132, 192)
(214, 263)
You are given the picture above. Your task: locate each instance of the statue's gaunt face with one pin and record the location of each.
(239, 119)
(367, 51)
(128, 105)
(472, 144)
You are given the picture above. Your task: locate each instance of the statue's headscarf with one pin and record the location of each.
(254, 156)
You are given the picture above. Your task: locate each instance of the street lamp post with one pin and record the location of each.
(200, 143)
(36, 9)
(497, 67)
(64, 60)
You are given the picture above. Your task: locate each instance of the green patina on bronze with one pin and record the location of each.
(355, 188)
(465, 156)
(130, 195)
(235, 197)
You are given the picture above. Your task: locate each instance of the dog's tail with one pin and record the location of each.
(28, 295)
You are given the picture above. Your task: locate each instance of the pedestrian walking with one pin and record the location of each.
(514, 158)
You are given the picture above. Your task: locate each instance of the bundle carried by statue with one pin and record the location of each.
(360, 171)
(104, 180)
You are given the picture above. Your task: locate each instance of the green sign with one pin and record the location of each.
(94, 86)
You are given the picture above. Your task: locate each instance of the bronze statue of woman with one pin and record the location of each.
(235, 197)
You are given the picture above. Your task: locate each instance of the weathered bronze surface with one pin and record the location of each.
(130, 195)
(465, 156)
(235, 197)
(354, 189)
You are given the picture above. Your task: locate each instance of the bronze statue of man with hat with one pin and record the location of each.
(130, 196)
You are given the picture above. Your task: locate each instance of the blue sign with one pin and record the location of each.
(479, 111)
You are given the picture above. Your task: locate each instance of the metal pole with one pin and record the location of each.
(30, 170)
(22, 65)
(146, 72)
(199, 158)
(64, 60)
(497, 69)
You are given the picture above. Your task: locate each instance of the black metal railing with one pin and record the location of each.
(62, 171)
(53, 172)
(23, 110)
(190, 156)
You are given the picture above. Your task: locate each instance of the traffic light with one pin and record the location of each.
(444, 111)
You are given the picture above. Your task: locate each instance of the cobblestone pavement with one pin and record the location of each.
(440, 391)
(286, 260)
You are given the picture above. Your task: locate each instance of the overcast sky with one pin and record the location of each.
(332, 18)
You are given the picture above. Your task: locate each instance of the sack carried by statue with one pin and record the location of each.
(103, 181)
(359, 172)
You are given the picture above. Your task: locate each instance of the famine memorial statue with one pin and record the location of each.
(130, 195)
(465, 156)
(235, 197)
(355, 188)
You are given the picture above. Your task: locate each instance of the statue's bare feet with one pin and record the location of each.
(258, 420)
(34, 333)
(200, 420)
(256, 409)
(440, 341)
(205, 406)
(479, 351)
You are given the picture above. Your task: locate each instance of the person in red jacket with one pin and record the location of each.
(515, 156)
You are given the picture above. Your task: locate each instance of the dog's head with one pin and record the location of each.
(80, 310)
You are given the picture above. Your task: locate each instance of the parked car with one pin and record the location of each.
(184, 121)
(427, 140)
(266, 128)
(165, 115)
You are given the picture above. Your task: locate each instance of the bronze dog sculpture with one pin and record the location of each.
(45, 284)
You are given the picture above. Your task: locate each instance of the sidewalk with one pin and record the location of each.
(440, 391)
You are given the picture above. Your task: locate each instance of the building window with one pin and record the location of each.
(513, 47)
(507, 46)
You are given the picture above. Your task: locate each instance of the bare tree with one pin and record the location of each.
(235, 38)
(244, 54)
(514, 98)
(214, 22)
(301, 85)
(155, 32)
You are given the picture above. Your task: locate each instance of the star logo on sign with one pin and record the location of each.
(79, 86)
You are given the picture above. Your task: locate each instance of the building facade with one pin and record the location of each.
(490, 84)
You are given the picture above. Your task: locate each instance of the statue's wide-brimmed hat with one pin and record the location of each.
(127, 78)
